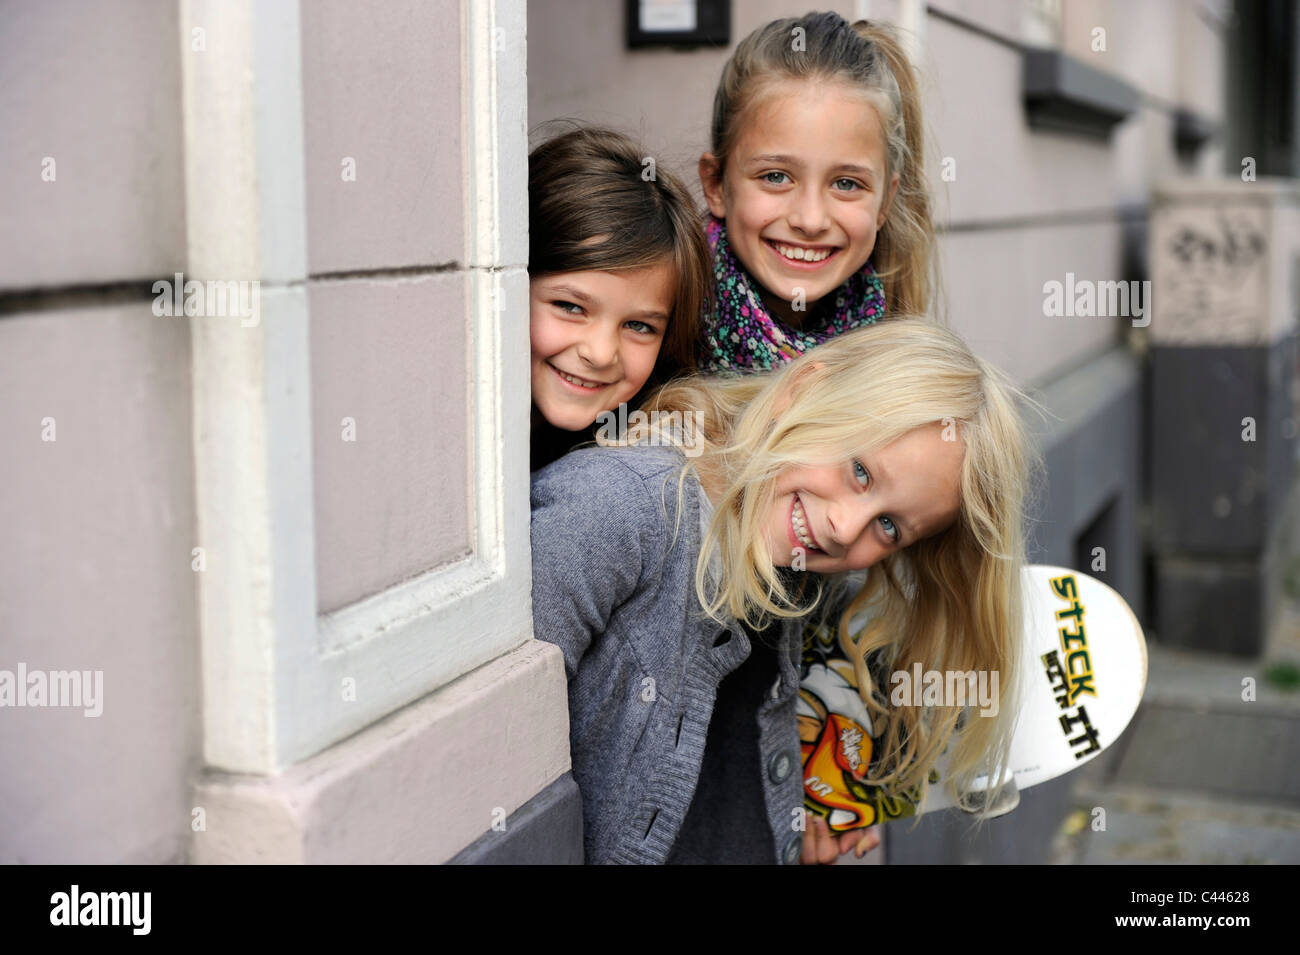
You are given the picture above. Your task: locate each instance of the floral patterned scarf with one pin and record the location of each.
(742, 335)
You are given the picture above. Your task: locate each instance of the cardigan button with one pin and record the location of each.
(793, 848)
(778, 767)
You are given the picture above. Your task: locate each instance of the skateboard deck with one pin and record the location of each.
(1085, 671)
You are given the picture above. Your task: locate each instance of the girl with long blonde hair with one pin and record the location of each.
(697, 549)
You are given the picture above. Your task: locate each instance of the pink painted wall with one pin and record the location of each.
(385, 184)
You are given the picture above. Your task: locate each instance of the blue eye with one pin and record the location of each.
(891, 529)
(861, 473)
(853, 184)
(767, 177)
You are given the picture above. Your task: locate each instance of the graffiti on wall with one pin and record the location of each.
(1211, 282)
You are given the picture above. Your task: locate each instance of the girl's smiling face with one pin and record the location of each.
(595, 339)
(848, 516)
(803, 191)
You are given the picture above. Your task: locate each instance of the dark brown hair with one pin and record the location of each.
(598, 201)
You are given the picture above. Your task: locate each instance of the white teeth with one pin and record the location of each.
(801, 526)
(802, 255)
(578, 381)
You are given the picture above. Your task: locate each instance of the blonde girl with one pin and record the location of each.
(820, 218)
(820, 212)
(659, 573)
(618, 277)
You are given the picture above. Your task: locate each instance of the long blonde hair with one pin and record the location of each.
(952, 601)
(869, 57)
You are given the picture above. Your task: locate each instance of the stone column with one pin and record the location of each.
(1225, 264)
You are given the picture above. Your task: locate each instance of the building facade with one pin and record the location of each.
(264, 395)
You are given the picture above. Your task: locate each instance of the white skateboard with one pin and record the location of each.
(1086, 668)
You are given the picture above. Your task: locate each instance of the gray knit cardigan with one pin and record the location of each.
(616, 593)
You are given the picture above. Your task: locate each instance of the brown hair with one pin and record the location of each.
(597, 201)
(870, 57)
